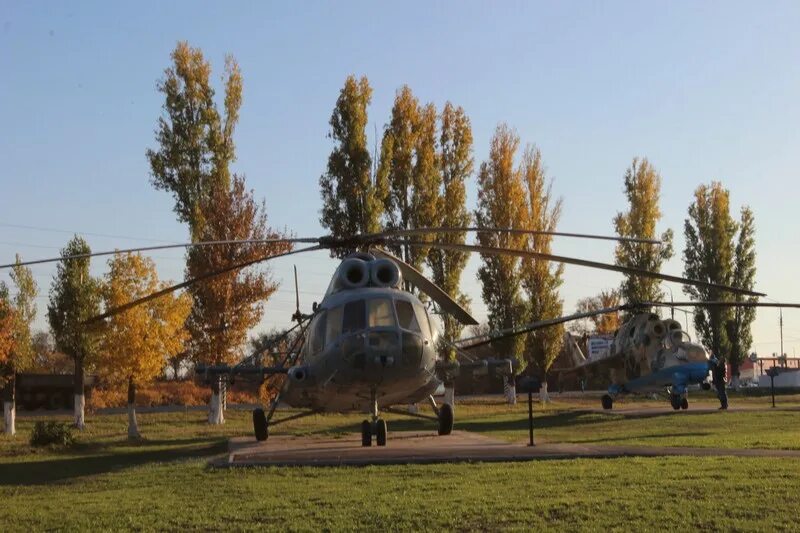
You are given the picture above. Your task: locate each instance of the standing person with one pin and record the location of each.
(719, 377)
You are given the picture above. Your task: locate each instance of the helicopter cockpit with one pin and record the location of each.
(390, 328)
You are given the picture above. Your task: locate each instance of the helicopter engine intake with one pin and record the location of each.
(353, 273)
(384, 273)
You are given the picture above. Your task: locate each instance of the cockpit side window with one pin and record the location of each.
(354, 316)
(380, 312)
(422, 318)
(406, 316)
(334, 324)
(318, 334)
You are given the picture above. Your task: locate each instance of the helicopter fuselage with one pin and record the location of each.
(365, 345)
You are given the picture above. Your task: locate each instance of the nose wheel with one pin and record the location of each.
(378, 429)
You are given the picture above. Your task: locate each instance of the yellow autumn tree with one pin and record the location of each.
(502, 204)
(137, 342)
(541, 279)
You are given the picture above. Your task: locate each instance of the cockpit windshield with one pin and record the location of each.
(358, 315)
(380, 313)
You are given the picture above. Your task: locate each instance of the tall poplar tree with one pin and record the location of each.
(739, 324)
(349, 198)
(541, 279)
(426, 181)
(502, 204)
(195, 151)
(642, 190)
(710, 231)
(395, 179)
(74, 298)
(456, 164)
(195, 141)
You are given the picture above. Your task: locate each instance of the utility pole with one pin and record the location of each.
(781, 323)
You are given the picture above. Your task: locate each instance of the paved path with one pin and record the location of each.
(425, 447)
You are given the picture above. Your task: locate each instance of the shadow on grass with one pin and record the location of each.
(58, 470)
(500, 424)
(639, 437)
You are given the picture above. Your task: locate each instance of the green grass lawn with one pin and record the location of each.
(164, 482)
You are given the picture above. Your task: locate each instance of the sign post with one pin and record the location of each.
(530, 385)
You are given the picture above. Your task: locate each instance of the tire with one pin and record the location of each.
(607, 401)
(380, 432)
(684, 404)
(366, 433)
(675, 401)
(446, 419)
(260, 425)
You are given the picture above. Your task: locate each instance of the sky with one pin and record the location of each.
(705, 90)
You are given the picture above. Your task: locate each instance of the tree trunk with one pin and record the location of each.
(510, 389)
(215, 414)
(449, 394)
(133, 427)
(176, 369)
(80, 402)
(734, 374)
(543, 396)
(9, 406)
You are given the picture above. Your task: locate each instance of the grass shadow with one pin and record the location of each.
(61, 470)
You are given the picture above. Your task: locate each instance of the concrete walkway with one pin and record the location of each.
(426, 447)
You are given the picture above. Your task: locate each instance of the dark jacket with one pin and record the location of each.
(719, 374)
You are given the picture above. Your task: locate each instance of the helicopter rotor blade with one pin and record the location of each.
(721, 304)
(302, 240)
(493, 336)
(173, 288)
(415, 277)
(515, 231)
(580, 262)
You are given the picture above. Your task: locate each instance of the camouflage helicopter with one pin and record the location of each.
(369, 344)
(647, 355)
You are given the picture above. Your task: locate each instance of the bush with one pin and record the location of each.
(45, 433)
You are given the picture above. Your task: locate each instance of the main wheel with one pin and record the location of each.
(684, 404)
(675, 401)
(380, 432)
(260, 425)
(607, 401)
(446, 419)
(366, 433)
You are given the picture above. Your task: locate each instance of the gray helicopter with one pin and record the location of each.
(369, 345)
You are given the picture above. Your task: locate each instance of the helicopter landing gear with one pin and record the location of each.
(607, 401)
(380, 432)
(376, 427)
(445, 417)
(675, 402)
(260, 425)
(366, 433)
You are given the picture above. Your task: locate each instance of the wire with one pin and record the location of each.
(55, 230)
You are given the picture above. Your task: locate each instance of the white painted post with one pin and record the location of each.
(9, 416)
